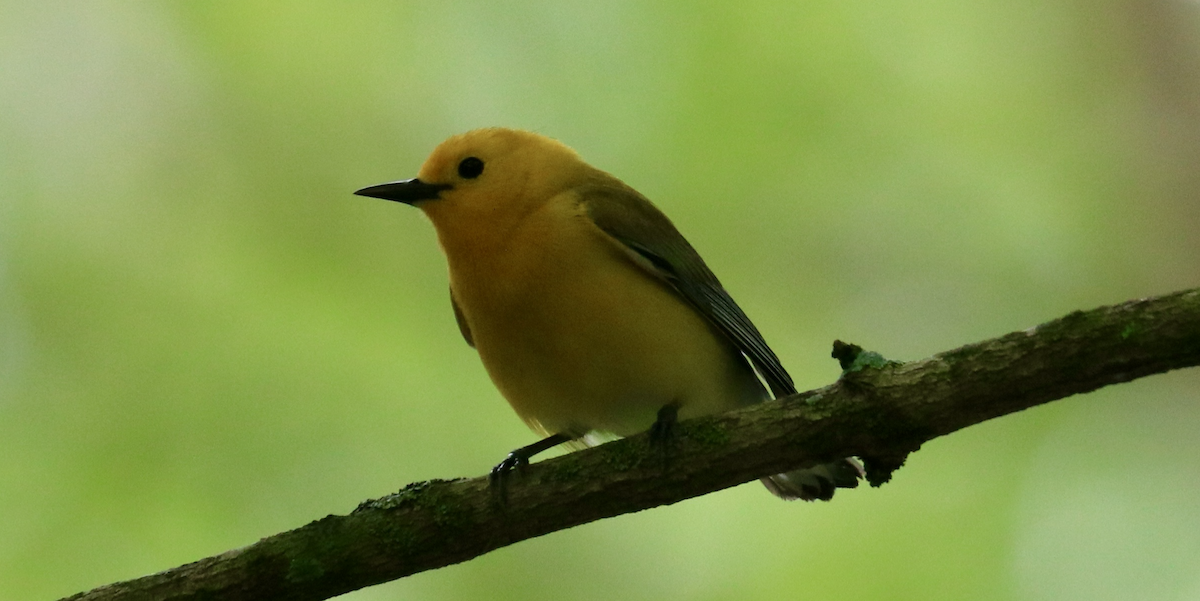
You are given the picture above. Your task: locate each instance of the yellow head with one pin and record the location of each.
(484, 180)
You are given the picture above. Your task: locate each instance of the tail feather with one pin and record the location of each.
(817, 482)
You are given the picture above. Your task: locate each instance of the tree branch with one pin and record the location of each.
(879, 410)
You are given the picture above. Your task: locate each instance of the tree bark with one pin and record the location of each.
(878, 410)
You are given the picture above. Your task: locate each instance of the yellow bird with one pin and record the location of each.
(591, 312)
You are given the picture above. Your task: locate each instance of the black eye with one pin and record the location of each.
(470, 168)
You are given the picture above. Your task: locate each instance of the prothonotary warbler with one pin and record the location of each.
(591, 312)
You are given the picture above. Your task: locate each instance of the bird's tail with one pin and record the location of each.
(817, 482)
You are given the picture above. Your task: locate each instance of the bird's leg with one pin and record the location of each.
(663, 430)
(520, 457)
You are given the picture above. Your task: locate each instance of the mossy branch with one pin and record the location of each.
(879, 410)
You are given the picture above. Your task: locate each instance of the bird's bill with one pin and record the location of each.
(407, 191)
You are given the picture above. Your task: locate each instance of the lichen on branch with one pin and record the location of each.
(879, 410)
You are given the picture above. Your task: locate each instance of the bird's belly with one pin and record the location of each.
(603, 346)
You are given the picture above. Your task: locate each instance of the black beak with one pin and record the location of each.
(408, 191)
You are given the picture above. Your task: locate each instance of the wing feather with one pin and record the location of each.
(634, 222)
(463, 327)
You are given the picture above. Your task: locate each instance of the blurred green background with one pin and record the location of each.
(205, 339)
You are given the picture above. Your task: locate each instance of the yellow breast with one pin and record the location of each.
(577, 337)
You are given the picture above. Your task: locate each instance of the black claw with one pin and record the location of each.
(515, 460)
(498, 478)
(663, 430)
(518, 459)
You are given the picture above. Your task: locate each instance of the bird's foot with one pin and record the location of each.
(518, 459)
(498, 478)
(515, 460)
(663, 431)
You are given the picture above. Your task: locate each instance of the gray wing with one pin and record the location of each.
(634, 222)
(463, 328)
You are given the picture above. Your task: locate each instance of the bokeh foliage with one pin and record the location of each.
(204, 339)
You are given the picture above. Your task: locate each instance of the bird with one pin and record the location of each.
(592, 315)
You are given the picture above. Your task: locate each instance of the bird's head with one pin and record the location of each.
(486, 178)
